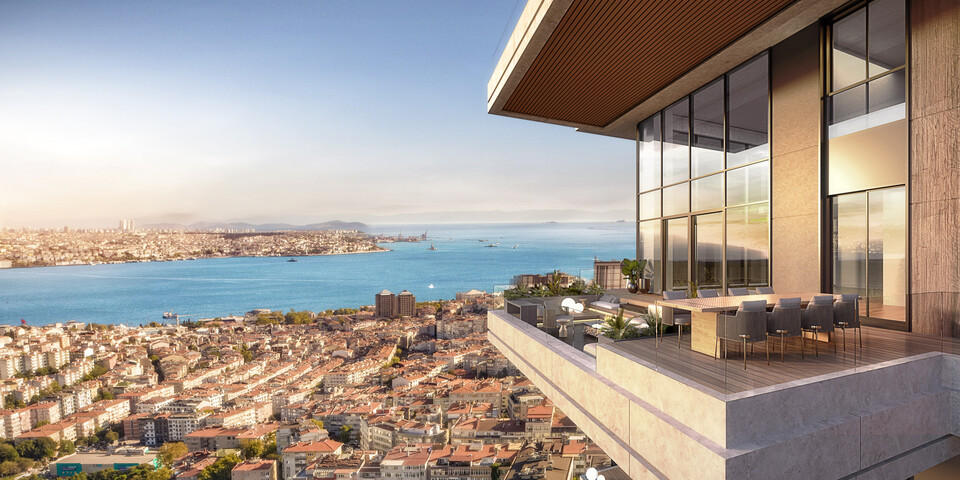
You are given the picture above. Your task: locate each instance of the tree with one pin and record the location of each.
(220, 470)
(171, 451)
(318, 423)
(67, 447)
(103, 394)
(616, 327)
(111, 437)
(345, 433)
(8, 453)
(251, 449)
(38, 449)
(245, 352)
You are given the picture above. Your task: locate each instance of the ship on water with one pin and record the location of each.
(292, 260)
(432, 247)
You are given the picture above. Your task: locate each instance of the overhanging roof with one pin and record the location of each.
(604, 65)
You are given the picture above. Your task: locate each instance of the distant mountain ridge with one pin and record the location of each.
(262, 227)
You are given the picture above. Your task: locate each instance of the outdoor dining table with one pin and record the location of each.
(704, 313)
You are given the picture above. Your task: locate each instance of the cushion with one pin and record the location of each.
(791, 302)
(849, 297)
(674, 295)
(754, 306)
(606, 305)
(608, 298)
(823, 300)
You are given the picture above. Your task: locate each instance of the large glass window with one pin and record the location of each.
(747, 122)
(869, 250)
(677, 254)
(707, 145)
(708, 254)
(676, 142)
(649, 249)
(705, 159)
(650, 153)
(748, 238)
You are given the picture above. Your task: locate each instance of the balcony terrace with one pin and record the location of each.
(886, 411)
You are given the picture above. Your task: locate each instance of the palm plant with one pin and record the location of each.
(577, 287)
(618, 328)
(652, 319)
(555, 286)
(594, 289)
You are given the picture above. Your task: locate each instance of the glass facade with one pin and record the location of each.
(866, 108)
(705, 184)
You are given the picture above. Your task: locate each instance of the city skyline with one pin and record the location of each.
(299, 113)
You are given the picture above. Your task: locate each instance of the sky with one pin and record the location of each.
(292, 111)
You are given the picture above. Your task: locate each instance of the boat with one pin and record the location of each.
(169, 315)
(432, 247)
(292, 260)
(515, 246)
(490, 245)
(430, 286)
(481, 240)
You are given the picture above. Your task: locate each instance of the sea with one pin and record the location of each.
(139, 293)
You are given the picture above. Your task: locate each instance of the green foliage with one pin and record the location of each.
(95, 372)
(220, 470)
(618, 328)
(633, 269)
(251, 449)
(42, 423)
(103, 394)
(140, 472)
(169, 452)
(495, 471)
(270, 450)
(38, 449)
(298, 318)
(267, 320)
(67, 447)
(11, 403)
(8, 453)
(245, 352)
(345, 433)
(318, 423)
(594, 289)
(111, 436)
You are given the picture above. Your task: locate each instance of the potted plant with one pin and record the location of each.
(633, 270)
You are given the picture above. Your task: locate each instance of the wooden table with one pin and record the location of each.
(704, 312)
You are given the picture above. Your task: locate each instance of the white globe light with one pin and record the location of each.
(601, 477)
(591, 473)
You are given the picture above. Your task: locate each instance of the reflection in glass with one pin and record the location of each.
(650, 205)
(676, 199)
(706, 193)
(648, 249)
(747, 139)
(872, 104)
(707, 146)
(676, 261)
(850, 244)
(888, 34)
(650, 153)
(676, 150)
(708, 254)
(849, 52)
(748, 246)
(886, 253)
(748, 184)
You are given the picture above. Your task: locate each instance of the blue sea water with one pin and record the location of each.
(139, 293)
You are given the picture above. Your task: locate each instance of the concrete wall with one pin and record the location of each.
(935, 165)
(795, 166)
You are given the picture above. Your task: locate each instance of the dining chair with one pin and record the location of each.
(748, 325)
(818, 317)
(737, 292)
(846, 314)
(764, 291)
(785, 321)
(670, 317)
(708, 293)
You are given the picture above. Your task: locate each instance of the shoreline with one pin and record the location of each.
(196, 258)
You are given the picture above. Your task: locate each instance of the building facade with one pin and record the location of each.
(805, 145)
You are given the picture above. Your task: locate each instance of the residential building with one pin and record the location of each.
(255, 470)
(295, 457)
(406, 304)
(385, 303)
(808, 146)
(608, 275)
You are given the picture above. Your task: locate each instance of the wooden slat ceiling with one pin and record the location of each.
(607, 56)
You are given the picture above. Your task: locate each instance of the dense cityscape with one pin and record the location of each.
(36, 248)
(398, 389)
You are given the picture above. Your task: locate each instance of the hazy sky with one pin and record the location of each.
(275, 111)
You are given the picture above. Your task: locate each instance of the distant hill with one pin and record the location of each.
(263, 227)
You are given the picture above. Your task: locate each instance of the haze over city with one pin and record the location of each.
(294, 112)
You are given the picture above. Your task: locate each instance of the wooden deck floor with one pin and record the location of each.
(727, 377)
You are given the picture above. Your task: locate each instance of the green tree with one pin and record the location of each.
(9, 468)
(617, 327)
(245, 352)
(171, 451)
(103, 394)
(42, 423)
(12, 403)
(67, 447)
(111, 436)
(38, 449)
(251, 449)
(317, 422)
(220, 470)
(8, 453)
(345, 432)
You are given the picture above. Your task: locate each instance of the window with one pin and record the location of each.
(704, 169)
